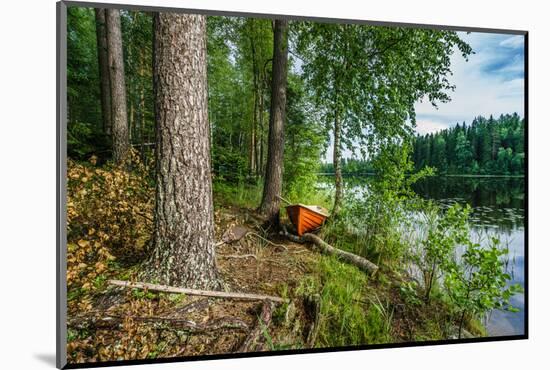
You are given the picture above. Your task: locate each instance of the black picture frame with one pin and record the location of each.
(61, 188)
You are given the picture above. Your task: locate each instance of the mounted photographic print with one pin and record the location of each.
(243, 185)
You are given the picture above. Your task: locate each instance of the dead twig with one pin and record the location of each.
(237, 256)
(197, 305)
(267, 240)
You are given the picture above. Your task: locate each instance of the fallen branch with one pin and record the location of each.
(110, 321)
(237, 256)
(255, 340)
(363, 263)
(197, 292)
(197, 305)
(267, 240)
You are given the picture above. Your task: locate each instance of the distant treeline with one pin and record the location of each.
(350, 166)
(486, 147)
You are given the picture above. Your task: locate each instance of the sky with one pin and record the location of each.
(490, 82)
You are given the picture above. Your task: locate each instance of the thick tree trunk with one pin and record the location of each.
(121, 143)
(336, 160)
(183, 250)
(273, 182)
(105, 85)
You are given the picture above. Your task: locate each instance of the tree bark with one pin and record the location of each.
(121, 143)
(183, 240)
(103, 61)
(336, 160)
(273, 182)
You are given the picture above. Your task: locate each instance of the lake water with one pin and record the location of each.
(498, 208)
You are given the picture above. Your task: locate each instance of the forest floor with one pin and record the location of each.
(107, 323)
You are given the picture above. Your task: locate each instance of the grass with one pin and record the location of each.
(356, 310)
(241, 194)
(351, 313)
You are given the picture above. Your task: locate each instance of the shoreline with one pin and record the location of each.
(441, 175)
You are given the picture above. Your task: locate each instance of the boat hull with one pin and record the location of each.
(306, 218)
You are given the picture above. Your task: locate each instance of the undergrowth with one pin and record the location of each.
(351, 312)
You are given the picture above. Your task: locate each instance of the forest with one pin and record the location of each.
(188, 136)
(485, 147)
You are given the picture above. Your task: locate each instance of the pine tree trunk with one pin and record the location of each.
(336, 160)
(261, 163)
(183, 250)
(103, 61)
(119, 116)
(273, 182)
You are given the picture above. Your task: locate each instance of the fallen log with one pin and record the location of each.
(197, 292)
(255, 340)
(363, 263)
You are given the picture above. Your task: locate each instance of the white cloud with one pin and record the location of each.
(513, 42)
(427, 126)
(478, 91)
(490, 83)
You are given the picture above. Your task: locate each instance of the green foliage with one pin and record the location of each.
(371, 224)
(304, 141)
(137, 42)
(444, 232)
(85, 130)
(487, 146)
(241, 194)
(350, 166)
(478, 282)
(239, 53)
(356, 72)
(409, 293)
(86, 134)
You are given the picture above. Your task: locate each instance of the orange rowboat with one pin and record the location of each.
(306, 218)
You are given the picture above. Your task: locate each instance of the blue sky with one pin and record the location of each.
(490, 82)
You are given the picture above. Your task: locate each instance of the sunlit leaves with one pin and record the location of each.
(372, 76)
(109, 213)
